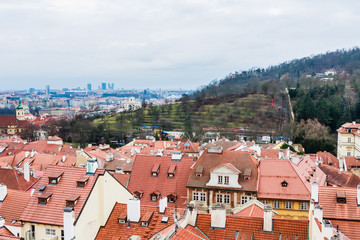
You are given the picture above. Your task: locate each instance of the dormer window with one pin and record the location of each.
(226, 180)
(172, 198)
(171, 171)
(139, 193)
(44, 198)
(72, 200)
(284, 184)
(220, 179)
(122, 218)
(154, 196)
(349, 130)
(199, 171)
(340, 197)
(54, 178)
(247, 174)
(145, 220)
(82, 182)
(155, 170)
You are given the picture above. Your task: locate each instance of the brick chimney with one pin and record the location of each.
(315, 192)
(27, 171)
(69, 219)
(3, 192)
(268, 221)
(133, 210)
(218, 216)
(162, 204)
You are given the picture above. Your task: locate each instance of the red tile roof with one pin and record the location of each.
(240, 160)
(251, 211)
(13, 205)
(352, 162)
(273, 173)
(52, 213)
(114, 230)
(185, 234)
(328, 159)
(5, 121)
(14, 179)
(142, 179)
(340, 179)
(333, 210)
(122, 178)
(350, 228)
(251, 228)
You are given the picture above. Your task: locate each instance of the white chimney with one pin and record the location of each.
(315, 192)
(268, 221)
(89, 145)
(3, 192)
(27, 154)
(27, 171)
(288, 153)
(133, 210)
(32, 153)
(345, 167)
(2, 222)
(318, 212)
(218, 216)
(328, 231)
(128, 160)
(358, 195)
(281, 154)
(63, 158)
(69, 219)
(341, 163)
(32, 191)
(92, 166)
(162, 204)
(60, 147)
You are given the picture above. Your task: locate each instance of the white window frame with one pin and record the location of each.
(226, 180)
(276, 204)
(195, 196)
(265, 202)
(348, 154)
(349, 139)
(304, 206)
(227, 198)
(244, 199)
(288, 205)
(50, 232)
(220, 179)
(219, 198)
(203, 197)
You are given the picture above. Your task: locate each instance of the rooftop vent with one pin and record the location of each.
(145, 220)
(164, 219)
(215, 149)
(139, 193)
(72, 200)
(44, 198)
(171, 171)
(155, 170)
(199, 171)
(247, 174)
(284, 184)
(154, 196)
(340, 197)
(122, 218)
(42, 188)
(54, 178)
(82, 181)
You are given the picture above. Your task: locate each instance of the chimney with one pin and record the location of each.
(354, 123)
(32, 191)
(327, 230)
(89, 145)
(268, 220)
(92, 166)
(318, 212)
(32, 154)
(60, 147)
(27, 171)
(27, 154)
(162, 204)
(119, 170)
(2, 222)
(358, 195)
(63, 158)
(281, 154)
(133, 210)
(3, 192)
(315, 192)
(288, 153)
(218, 216)
(69, 219)
(345, 168)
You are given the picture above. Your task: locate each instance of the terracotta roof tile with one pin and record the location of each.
(350, 228)
(14, 179)
(185, 234)
(341, 179)
(13, 205)
(52, 212)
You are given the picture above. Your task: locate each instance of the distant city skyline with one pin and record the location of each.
(162, 44)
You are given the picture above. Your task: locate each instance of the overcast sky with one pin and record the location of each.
(162, 44)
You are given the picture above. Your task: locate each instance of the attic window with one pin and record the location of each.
(349, 130)
(284, 184)
(42, 188)
(340, 197)
(54, 178)
(82, 182)
(72, 200)
(172, 198)
(145, 220)
(44, 198)
(122, 218)
(154, 196)
(171, 171)
(247, 174)
(155, 170)
(164, 219)
(199, 171)
(139, 193)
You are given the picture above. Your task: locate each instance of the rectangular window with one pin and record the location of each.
(303, 205)
(50, 231)
(348, 154)
(220, 179)
(195, 196)
(276, 204)
(288, 205)
(265, 202)
(349, 139)
(227, 198)
(226, 180)
(244, 199)
(62, 234)
(219, 198)
(203, 197)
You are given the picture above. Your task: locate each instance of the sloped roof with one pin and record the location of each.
(251, 228)
(328, 159)
(251, 211)
(309, 172)
(52, 213)
(352, 162)
(114, 230)
(350, 228)
(240, 160)
(142, 179)
(185, 234)
(14, 179)
(13, 205)
(341, 179)
(333, 210)
(272, 173)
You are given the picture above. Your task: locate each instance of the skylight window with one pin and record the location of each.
(164, 219)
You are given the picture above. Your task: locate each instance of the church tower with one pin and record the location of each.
(20, 113)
